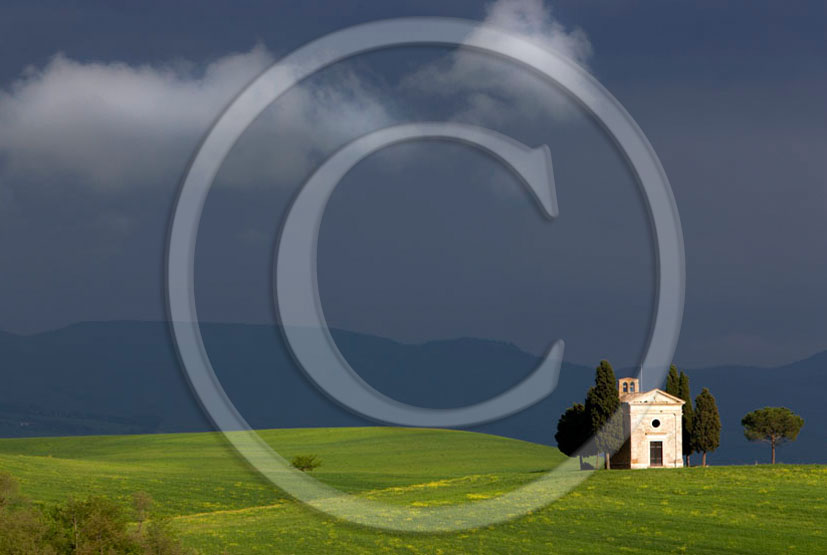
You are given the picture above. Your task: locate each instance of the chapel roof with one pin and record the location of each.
(651, 397)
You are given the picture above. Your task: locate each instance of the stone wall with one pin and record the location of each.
(643, 419)
(640, 419)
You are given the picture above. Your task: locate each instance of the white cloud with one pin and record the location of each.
(303, 127)
(494, 90)
(112, 125)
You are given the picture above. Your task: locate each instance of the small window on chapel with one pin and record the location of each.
(625, 388)
(632, 387)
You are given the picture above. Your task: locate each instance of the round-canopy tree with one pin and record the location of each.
(573, 432)
(773, 425)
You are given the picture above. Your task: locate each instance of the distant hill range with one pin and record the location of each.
(124, 377)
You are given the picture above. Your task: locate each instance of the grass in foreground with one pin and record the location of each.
(219, 504)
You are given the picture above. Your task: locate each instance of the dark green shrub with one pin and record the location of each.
(306, 463)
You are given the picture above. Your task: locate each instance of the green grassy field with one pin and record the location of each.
(219, 504)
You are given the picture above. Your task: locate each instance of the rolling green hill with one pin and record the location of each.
(219, 504)
(126, 379)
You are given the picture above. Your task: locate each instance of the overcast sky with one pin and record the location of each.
(102, 107)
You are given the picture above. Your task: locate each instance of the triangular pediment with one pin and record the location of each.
(652, 397)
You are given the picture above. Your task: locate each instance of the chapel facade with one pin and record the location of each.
(652, 420)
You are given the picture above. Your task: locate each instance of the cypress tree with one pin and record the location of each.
(602, 407)
(688, 415)
(672, 382)
(706, 427)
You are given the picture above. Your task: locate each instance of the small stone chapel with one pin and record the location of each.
(652, 422)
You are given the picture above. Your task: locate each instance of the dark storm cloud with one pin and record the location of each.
(731, 99)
